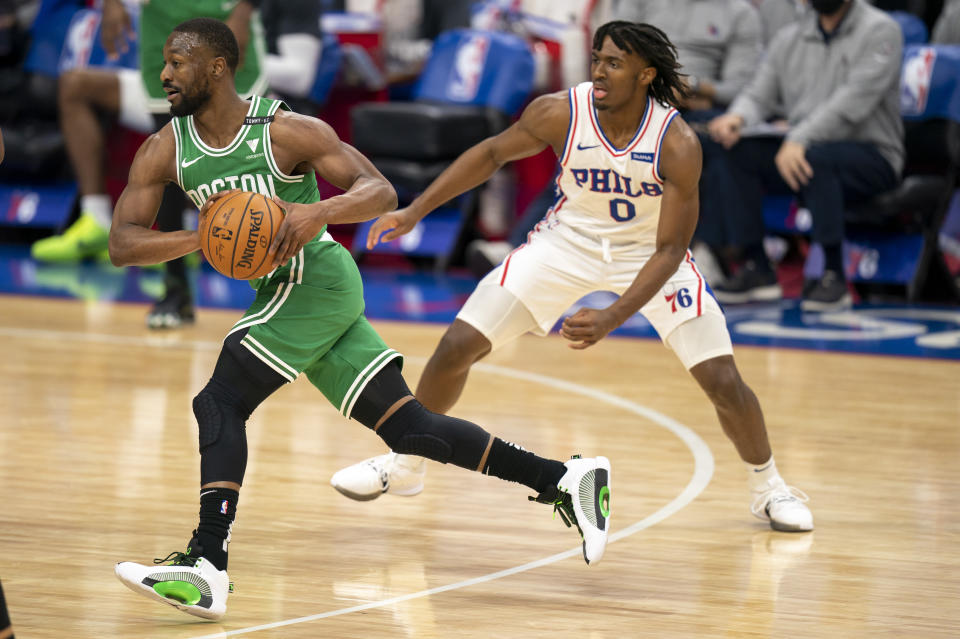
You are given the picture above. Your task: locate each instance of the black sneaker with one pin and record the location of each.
(175, 308)
(829, 293)
(749, 284)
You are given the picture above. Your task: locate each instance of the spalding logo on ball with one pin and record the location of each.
(236, 235)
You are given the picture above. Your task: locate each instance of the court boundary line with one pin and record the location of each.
(702, 472)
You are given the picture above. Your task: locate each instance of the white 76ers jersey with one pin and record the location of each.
(606, 192)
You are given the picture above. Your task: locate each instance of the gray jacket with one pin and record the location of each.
(776, 14)
(844, 89)
(716, 40)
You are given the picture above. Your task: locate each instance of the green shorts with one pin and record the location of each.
(308, 318)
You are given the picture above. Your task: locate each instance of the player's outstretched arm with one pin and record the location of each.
(680, 164)
(304, 144)
(542, 123)
(132, 241)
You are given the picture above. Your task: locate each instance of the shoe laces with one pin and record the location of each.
(383, 469)
(178, 559)
(562, 505)
(775, 492)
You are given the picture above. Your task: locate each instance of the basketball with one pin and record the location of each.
(237, 232)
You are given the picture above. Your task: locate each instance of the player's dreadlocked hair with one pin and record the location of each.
(651, 44)
(216, 35)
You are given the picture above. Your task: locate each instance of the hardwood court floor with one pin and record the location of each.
(98, 463)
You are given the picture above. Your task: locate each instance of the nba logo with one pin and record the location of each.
(223, 507)
(915, 80)
(468, 68)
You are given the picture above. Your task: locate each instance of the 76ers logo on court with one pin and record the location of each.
(681, 297)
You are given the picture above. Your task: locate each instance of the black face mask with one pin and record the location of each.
(826, 7)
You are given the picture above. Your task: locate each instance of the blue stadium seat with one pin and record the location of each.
(913, 27)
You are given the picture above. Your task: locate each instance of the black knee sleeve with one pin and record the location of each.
(413, 430)
(239, 384)
(380, 394)
(223, 435)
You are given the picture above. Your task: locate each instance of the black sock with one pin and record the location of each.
(509, 461)
(833, 258)
(176, 275)
(218, 507)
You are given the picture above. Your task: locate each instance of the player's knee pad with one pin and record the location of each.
(413, 430)
(216, 407)
(221, 419)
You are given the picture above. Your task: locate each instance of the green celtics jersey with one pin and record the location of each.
(159, 17)
(247, 163)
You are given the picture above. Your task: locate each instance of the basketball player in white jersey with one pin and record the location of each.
(627, 208)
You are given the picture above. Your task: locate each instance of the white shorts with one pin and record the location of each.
(557, 266)
(134, 112)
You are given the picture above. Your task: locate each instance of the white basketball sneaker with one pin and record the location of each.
(783, 506)
(582, 497)
(391, 473)
(191, 584)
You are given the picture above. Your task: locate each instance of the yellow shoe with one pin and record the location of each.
(85, 238)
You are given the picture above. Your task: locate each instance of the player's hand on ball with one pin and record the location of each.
(394, 223)
(301, 223)
(588, 326)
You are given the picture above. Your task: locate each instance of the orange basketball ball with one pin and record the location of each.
(237, 232)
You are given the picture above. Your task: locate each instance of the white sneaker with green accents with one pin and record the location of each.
(582, 498)
(191, 584)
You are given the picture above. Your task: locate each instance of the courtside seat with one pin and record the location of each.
(410, 176)
(898, 231)
(913, 28)
(421, 130)
(473, 83)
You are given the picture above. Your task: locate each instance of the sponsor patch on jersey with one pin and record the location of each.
(641, 157)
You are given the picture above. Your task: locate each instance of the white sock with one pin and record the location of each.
(97, 205)
(759, 476)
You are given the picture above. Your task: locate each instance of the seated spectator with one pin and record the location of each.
(835, 75)
(718, 43)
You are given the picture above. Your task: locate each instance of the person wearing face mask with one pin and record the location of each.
(834, 75)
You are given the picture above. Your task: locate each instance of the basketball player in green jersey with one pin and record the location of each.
(135, 96)
(307, 316)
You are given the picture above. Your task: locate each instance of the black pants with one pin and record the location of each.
(844, 173)
(711, 223)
